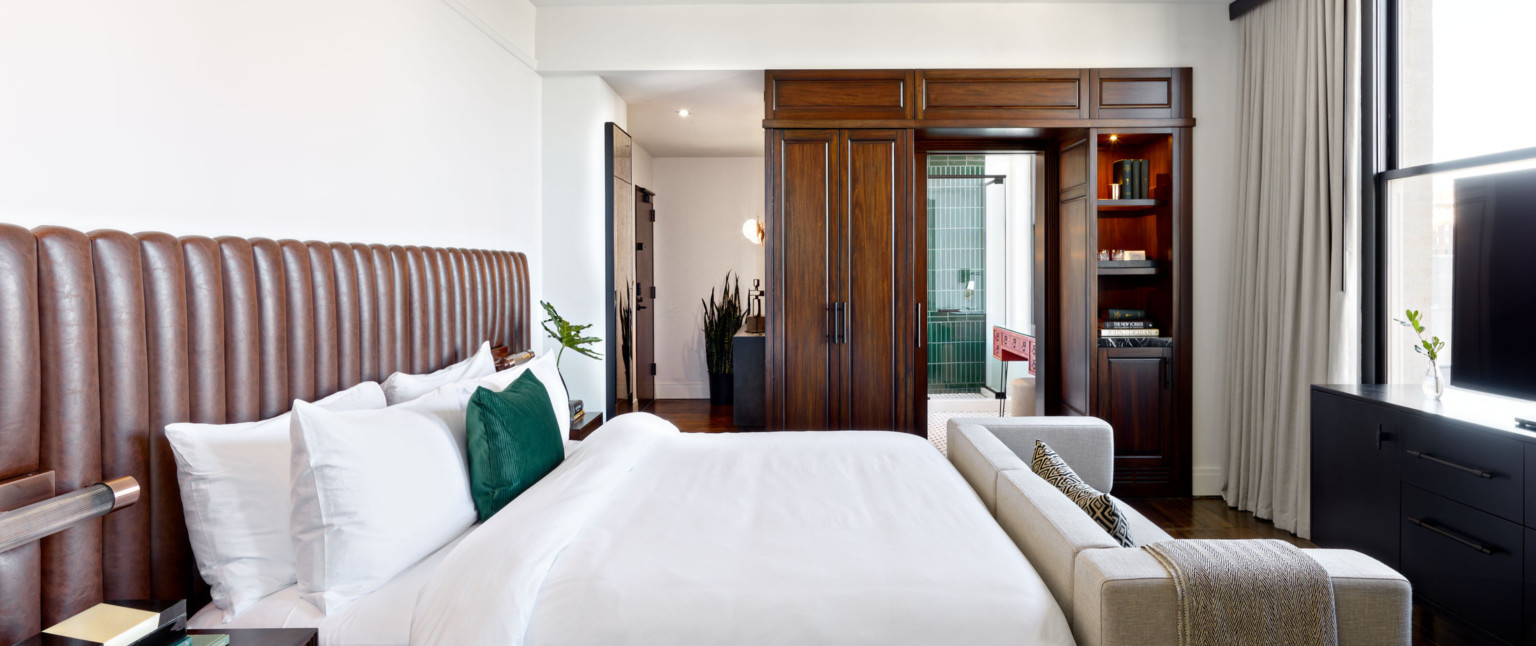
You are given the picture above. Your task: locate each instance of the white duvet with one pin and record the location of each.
(649, 536)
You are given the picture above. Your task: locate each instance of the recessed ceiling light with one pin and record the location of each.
(683, 112)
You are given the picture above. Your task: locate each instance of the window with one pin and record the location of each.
(1454, 103)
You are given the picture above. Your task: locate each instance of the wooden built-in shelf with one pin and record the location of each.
(1127, 205)
(1130, 271)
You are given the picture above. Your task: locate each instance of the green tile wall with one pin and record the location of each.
(956, 255)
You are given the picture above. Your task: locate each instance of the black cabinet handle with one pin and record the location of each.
(1481, 473)
(842, 334)
(1381, 437)
(1431, 526)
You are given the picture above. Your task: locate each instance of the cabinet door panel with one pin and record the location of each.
(1075, 286)
(874, 180)
(1131, 396)
(1355, 470)
(805, 199)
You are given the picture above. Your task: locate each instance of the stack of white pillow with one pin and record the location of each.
(339, 495)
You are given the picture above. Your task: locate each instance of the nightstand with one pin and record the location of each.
(265, 636)
(580, 429)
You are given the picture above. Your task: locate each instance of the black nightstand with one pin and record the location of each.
(265, 636)
(580, 429)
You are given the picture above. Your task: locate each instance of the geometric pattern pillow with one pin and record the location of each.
(1099, 506)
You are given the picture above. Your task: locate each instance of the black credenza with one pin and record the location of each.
(1443, 491)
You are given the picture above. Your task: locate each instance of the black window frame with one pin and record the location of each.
(1380, 100)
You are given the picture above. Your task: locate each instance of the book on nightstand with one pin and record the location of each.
(119, 623)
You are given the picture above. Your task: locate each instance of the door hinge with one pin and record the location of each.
(653, 215)
(653, 370)
(653, 292)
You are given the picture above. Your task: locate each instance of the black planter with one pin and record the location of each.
(722, 389)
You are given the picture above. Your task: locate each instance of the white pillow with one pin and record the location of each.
(234, 491)
(374, 492)
(400, 387)
(548, 372)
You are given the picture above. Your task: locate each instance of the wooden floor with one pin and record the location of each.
(1180, 517)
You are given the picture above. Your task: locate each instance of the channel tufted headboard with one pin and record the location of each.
(105, 337)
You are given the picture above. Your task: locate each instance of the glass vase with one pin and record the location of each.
(1434, 381)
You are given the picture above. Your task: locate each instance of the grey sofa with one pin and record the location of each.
(1114, 595)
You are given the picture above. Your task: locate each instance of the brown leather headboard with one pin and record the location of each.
(106, 337)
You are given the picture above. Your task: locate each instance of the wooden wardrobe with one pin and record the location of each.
(846, 242)
(842, 320)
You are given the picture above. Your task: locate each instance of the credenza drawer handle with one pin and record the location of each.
(1431, 526)
(1481, 473)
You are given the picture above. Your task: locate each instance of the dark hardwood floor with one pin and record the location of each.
(1180, 517)
(690, 415)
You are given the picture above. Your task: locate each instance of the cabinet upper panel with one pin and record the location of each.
(840, 94)
(979, 97)
(1002, 94)
(1140, 93)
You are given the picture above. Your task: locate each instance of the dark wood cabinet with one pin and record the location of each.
(1134, 397)
(1530, 583)
(1466, 562)
(1355, 448)
(840, 94)
(1002, 94)
(846, 244)
(1438, 490)
(842, 323)
(1139, 93)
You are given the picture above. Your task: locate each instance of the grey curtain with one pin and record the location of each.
(1295, 285)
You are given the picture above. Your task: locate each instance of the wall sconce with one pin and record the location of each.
(753, 230)
(59, 513)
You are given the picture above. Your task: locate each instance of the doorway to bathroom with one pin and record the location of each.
(980, 270)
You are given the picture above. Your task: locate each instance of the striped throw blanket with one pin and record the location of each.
(1243, 592)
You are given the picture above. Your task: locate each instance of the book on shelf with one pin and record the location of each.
(1142, 332)
(1126, 325)
(1131, 175)
(1121, 314)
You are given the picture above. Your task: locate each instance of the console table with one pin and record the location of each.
(1443, 491)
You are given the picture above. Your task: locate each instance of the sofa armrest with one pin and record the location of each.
(1124, 596)
(1087, 444)
(979, 456)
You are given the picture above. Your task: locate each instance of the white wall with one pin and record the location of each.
(700, 205)
(352, 120)
(969, 35)
(575, 226)
(644, 163)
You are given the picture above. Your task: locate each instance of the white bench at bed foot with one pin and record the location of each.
(1115, 595)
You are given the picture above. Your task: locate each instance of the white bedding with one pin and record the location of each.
(648, 536)
(382, 618)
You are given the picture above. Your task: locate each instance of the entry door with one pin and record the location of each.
(645, 293)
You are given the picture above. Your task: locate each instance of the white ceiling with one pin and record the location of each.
(578, 3)
(726, 107)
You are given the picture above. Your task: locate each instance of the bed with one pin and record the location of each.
(643, 535)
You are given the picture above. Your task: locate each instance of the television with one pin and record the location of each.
(1493, 301)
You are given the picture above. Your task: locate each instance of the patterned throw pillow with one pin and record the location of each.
(1099, 506)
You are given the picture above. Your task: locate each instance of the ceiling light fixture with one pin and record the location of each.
(683, 112)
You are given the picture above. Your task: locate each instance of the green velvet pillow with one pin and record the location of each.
(514, 440)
